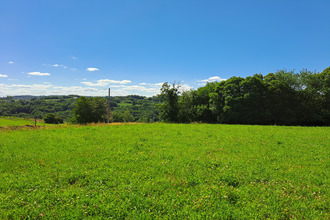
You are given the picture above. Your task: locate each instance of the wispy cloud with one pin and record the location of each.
(74, 58)
(137, 88)
(118, 88)
(60, 65)
(92, 69)
(33, 86)
(213, 79)
(49, 89)
(105, 82)
(1, 75)
(152, 84)
(210, 79)
(39, 74)
(10, 62)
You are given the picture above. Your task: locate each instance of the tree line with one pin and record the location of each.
(281, 98)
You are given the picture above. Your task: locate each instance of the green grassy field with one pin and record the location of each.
(171, 171)
(15, 121)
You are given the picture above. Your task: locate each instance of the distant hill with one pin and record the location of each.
(142, 108)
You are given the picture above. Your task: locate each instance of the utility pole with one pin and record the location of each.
(109, 107)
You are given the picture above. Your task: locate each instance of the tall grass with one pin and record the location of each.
(150, 171)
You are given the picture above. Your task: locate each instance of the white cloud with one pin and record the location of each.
(94, 84)
(39, 74)
(1, 75)
(115, 81)
(74, 69)
(59, 65)
(10, 62)
(74, 58)
(118, 88)
(46, 89)
(33, 86)
(105, 82)
(212, 79)
(152, 84)
(92, 69)
(137, 88)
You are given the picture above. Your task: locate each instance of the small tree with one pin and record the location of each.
(88, 110)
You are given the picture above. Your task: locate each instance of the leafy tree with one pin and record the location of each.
(202, 110)
(325, 93)
(89, 110)
(232, 109)
(169, 108)
(127, 116)
(116, 117)
(185, 107)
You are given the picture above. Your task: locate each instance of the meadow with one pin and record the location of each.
(16, 121)
(165, 171)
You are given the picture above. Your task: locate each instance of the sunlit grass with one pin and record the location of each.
(15, 121)
(165, 171)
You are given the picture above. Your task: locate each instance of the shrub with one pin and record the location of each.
(51, 118)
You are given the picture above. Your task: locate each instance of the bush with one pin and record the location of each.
(51, 118)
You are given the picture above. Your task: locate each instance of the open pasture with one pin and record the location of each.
(16, 121)
(149, 171)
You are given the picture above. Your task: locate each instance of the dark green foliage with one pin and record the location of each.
(32, 106)
(141, 108)
(283, 98)
(51, 118)
(88, 110)
(122, 117)
(169, 108)
(127, 117)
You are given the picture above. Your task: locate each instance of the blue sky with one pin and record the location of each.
(58, 47)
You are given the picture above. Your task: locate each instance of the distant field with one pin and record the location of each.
(15, 121)
(150, 171)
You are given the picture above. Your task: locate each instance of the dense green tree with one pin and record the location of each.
(88, 110)
(169, 108)
(324, 78)
(127, 116)
(185, 107)
(116, 117)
